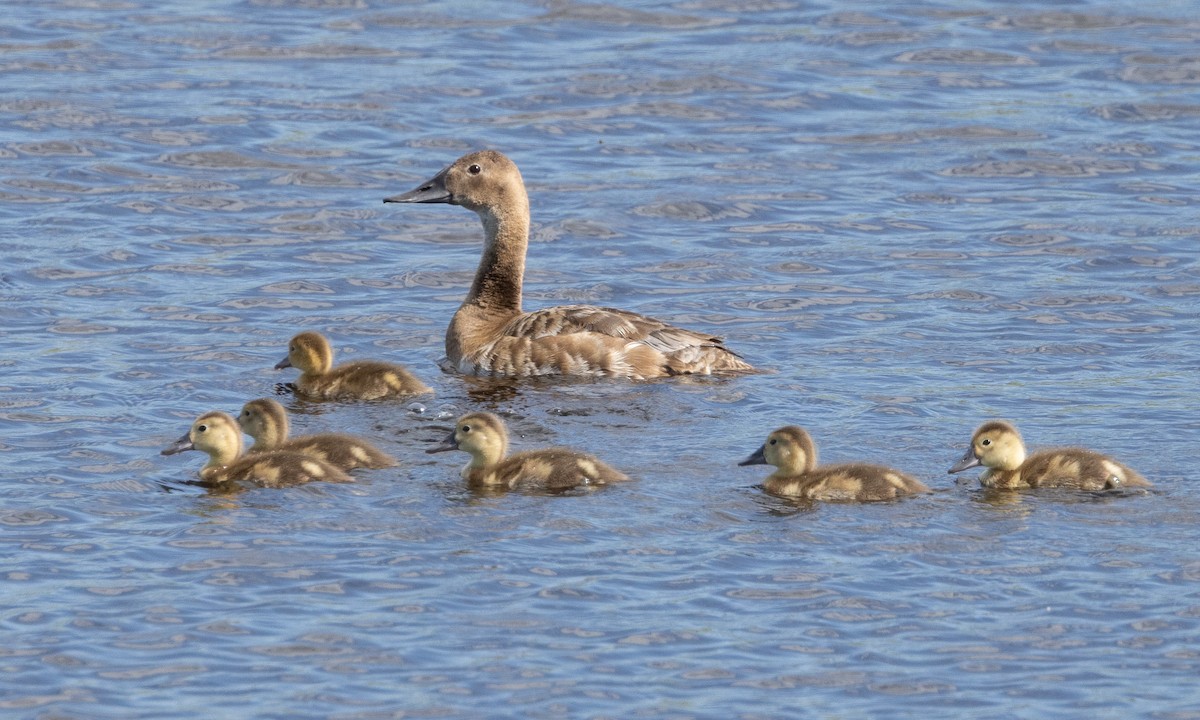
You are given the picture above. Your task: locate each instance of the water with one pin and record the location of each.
(918, 217)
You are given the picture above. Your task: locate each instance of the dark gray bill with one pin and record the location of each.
(758, 458)
(968, 461)
(432, 190)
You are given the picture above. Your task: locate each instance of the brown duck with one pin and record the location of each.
(491, 334)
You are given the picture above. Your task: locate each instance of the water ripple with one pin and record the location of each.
(913, 218)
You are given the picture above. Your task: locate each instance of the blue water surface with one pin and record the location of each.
(916, 217)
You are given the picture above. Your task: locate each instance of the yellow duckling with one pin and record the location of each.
(483, 436)
(792, 451)
(218, 434)
(310, 353)
(997, 446)
(266, 421)
(491, 335)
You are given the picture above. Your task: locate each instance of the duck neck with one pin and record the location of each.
(270, 434)
(222, 456)
(497, 286)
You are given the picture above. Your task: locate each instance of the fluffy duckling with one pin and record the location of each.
(491, 335)
(483, 436)
(997, 446)
(310, 353)
(792, 451)
(266, 421)
(218, 434)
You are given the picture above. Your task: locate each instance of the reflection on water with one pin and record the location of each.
(914, 217)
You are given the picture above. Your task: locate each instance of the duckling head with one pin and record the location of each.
(215, 433)
(789, 448)
(482, 181)
(265, 420)
(996, 444)
(308, 352)
(480, 434)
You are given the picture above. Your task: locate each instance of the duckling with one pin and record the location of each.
(218, 434)
(266, 421)
(998, 446)
(792, 451)
(483, 436)
(310, 353)
(491, 335)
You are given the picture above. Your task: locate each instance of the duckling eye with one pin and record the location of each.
(773, 441)
(474, 169)
(985, 442)
(466, 428)
(201, 428)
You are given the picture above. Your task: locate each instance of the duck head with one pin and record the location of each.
(265, 420)
(308, 352)
(481, 434)
(789, 448)
(214, 433)
(482, 181)
(996, 444)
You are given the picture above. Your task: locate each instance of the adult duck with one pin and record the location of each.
(491, 334)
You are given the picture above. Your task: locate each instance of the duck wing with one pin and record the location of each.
(684, 351)
(568, 319)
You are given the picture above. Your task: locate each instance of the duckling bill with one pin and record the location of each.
(490, 334)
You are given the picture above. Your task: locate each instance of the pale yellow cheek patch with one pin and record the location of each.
(313, 469)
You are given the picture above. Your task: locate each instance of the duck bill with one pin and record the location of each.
(759, 457)
(183, 443)
(969, 460)
(432, 190)
(446, 445)
(284, 363)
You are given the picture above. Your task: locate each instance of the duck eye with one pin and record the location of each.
(202, 428)
(474, 169)
(773, 441)
(985, 442)
(466, 428)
